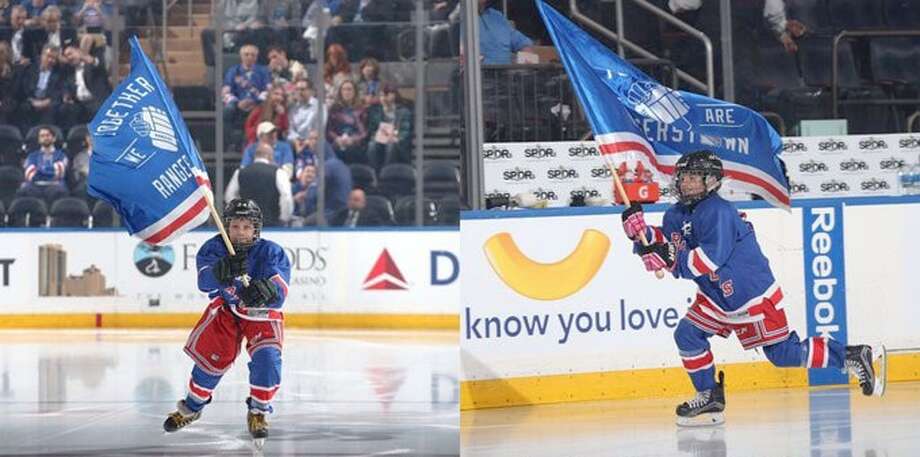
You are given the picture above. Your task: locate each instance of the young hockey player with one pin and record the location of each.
(247, 291)
(703, 238)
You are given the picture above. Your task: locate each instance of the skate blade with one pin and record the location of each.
(703, 420)
(881, 373)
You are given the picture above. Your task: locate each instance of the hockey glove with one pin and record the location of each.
(633, 221)
(230, 267)
(658, 256)
(259, 293)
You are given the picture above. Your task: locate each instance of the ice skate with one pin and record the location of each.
(181, 417)
(258, 428)
(705, 409)
(859, 364)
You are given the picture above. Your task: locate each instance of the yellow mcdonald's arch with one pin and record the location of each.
(547, 281)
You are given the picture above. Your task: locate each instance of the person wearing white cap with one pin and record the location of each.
(267, 133)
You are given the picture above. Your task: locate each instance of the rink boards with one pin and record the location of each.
(600, 328)
(406, 278)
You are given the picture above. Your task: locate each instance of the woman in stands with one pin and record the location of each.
(347, 128)
(273, 109)
(369, 81)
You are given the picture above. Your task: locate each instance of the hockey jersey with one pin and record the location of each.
(717, 249)
(265, 259)
(46, 168)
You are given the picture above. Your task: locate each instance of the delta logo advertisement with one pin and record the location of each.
(386, 274)
(547, 281)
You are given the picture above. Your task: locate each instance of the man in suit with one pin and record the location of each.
(15, 34)
(40, 90)
(86, 86)
(50, 33)
(356, 213)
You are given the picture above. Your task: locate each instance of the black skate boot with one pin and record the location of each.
(859, 364)
(706, 408)
(181, 417)
(258, 426)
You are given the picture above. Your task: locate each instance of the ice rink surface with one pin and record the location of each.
(821, 422)
(106, 393)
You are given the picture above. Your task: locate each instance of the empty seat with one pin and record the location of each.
(31, 139)
(363, 176)
(10, 145)
(104, 215)
(382, 206)
(405, 211)
(193, 98)
(894, 60)
(817, 63)
(441, 178)
(69, 212)
(10, 180)
(27, 212)
(396, 179)
(75, 138)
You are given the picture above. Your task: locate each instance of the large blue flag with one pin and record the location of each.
(636, 118)
(144, 161)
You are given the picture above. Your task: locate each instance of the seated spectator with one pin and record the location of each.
(15, 34)
(8, 76)
(498, 40)
(267, 133)
(239, 17)
(245, 86)
(79, 168)
(45, 169)
(92, 20)
(6, 7)
(41, 88)
(283, 69)
(302, 114)
(336, 70)
(390, 125)
(346, 129)
(34, 10)
(267, 184)
(86, 86)
(50, 33)
(338, 186)
(369, 82)
(281, 12)
(304, 162)
(273, 110)
(440, 9)
(356, 213)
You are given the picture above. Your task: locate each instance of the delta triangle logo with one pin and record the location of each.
(385, 275)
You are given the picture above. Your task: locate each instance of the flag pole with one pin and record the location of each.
(618, 185)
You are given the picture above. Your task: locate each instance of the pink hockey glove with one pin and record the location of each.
(633, 221)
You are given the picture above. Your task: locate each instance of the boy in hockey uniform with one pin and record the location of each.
(703, 238)
(247, 291)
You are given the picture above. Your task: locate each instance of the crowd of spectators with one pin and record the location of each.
(54, 73)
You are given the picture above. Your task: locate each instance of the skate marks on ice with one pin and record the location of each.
(817, 422)
(343, 394)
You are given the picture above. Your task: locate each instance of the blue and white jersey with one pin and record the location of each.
(717, 249)
(265, 260)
